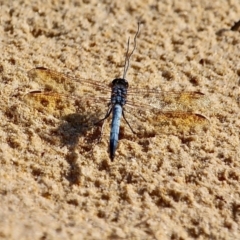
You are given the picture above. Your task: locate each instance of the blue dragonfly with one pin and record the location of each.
(160, 111)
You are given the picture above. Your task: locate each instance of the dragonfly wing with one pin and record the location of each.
(167, 112)
(169, 101)
(50, 80)
(156, 121)
(60, 95)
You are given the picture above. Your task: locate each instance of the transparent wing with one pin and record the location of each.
(167, 112)
(155, 121)
(146, 110)
(168, 100)
(60, 94)
(51, 80)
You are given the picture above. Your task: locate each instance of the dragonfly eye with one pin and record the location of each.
(120, 81)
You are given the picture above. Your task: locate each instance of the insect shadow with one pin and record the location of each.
(74, 127)
(77, 125)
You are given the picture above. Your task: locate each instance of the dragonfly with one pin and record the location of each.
(149, 109)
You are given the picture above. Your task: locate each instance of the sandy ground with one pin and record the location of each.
(55, 184)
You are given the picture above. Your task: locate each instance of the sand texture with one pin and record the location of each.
(177, 179)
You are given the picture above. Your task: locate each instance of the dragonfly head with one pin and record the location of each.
(120, 82)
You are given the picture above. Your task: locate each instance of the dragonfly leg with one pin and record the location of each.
(103, 120)
(128, 123)
(106, 116)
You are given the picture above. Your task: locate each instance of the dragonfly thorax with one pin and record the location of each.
(119, 91)
(120, 82)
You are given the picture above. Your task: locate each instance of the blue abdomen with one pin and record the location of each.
(115, 126)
